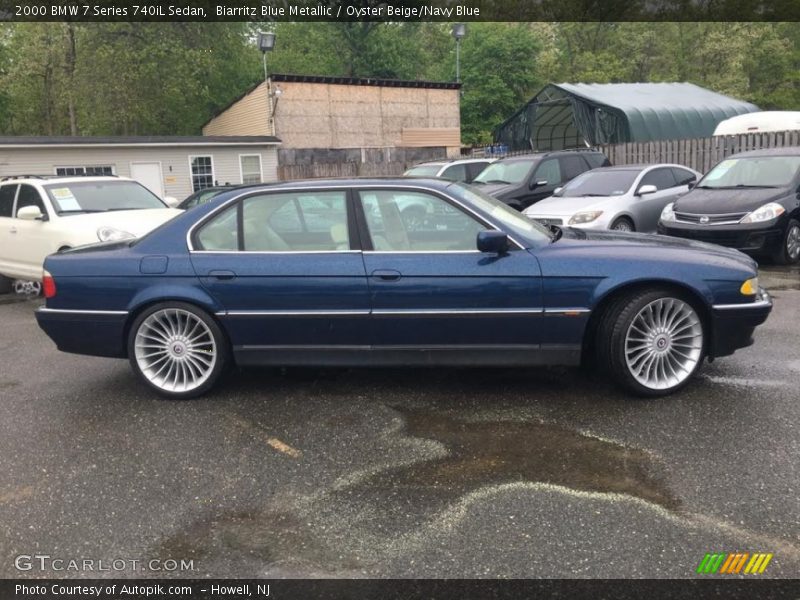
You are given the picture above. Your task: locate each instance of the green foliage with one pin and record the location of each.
(169, 78)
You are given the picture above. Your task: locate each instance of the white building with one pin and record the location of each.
(169, 165)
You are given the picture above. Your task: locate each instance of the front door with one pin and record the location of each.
(649, 206)
(430, 286)
(149, 175)
(30, 241)
(546, 177)
(282, 266)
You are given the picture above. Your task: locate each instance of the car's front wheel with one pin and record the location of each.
(789, 252)
(651, 342)
(177, 349)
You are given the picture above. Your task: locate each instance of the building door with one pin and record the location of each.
(149, 175)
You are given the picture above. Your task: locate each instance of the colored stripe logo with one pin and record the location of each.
(734, 563)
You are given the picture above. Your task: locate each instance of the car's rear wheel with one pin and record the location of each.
(651, 342)
(623, 224)
(177, 349)
(789, 252)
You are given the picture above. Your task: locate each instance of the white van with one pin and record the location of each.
(760, 122)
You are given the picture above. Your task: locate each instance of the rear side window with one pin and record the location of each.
(7, 193)
(572, 166)
(220, 234)
(661, 178)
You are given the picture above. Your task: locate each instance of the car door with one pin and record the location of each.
(8, 194)
(287, 270)
(647, 208)
(431, 288)
(29, 241)
(544, 179)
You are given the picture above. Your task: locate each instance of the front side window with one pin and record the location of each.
(405, 221)
(456, 173)
(202, 172)
(29, 196)
(251, 168)
(683, 177)
(100, 196)
(600, 183)
(7, 194)
(758, 171)
(663, 179)
(549, 171)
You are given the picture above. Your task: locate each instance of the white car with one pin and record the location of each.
(43, 215)
(621, 198)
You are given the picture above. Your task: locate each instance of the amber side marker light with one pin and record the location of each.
(48, 285)
(749, 287)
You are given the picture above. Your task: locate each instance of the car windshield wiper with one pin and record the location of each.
(594, 195)
(75, 211)
(734, 187)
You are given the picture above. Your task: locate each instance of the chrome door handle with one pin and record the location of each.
(13, 230)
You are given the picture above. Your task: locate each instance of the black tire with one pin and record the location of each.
(220, 347)
(613, 329)
(6, 284)
(623, 224)
(784, 256)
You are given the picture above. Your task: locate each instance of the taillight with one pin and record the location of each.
(48, 285)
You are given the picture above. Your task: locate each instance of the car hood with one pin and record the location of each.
(137, 222)
(715, 202)
(647, 240)
(560, 205)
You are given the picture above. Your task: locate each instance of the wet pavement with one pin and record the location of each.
(402, 473)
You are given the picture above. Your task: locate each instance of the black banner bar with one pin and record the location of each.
(369, 589)
(399, 10)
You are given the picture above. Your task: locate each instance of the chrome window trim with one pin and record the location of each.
(293, 313)
(560, 311)
(455, 311)
(81, 312)
(354, 187)
(275, 252)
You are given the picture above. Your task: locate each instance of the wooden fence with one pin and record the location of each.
(340, 169)
(700, 153)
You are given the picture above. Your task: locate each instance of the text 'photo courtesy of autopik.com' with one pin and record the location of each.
(419, 299)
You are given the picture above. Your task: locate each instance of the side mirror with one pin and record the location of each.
(557, 191)
(495, 242)
(646, 189)
(539, 183)
(30, 213)
(171, 202)
(691, 184)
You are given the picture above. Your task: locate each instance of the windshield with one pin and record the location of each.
(600, 183)
(515, 221)
(513, 171)
(100, 196)
(758, 171)
(423, 171)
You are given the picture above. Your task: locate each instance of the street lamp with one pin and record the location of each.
(266, 43)
(458, 32)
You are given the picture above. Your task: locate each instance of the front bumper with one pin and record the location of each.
(734, 324)
(95, 333)
(753, 239)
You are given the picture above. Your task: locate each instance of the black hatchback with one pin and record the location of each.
(750, 201)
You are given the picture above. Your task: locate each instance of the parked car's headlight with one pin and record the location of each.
(668, 214)
(585, 217)
(112, 234)
(769, 211)
(749, 287)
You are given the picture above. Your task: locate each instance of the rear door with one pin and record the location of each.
(287, 268)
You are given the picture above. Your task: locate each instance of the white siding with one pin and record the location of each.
(174, 162)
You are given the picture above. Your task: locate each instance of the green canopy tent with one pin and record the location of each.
(570, 115)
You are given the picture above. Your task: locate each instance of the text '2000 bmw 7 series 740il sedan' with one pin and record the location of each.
(327, 272)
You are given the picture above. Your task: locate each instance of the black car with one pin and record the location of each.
(519, 181)
(750, 201)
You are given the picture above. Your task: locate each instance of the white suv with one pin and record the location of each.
(42, 215)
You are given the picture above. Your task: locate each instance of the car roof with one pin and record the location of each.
(453, 161)
(784, 151)
(48, 179)
(346, 182)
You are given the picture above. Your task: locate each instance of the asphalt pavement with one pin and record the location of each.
(399, 473)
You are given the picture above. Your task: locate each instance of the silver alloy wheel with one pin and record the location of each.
(664, 343)
(793, 242)
(175, 350)
(622, 225)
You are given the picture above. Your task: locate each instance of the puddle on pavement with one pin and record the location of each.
(353, 524)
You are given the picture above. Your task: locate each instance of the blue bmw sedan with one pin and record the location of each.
(329, 272)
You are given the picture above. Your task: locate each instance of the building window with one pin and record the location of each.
(86, 170)
(202, 172)
(250, 165)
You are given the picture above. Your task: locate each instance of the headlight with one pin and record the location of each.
(668, 214)
(585, 217)
(111, 234)
(769, 211)
(749, 287)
